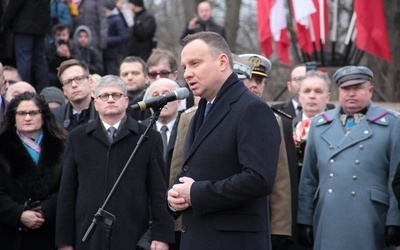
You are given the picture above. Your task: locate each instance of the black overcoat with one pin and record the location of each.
(232, 155)
(92, 166)
(21, 179)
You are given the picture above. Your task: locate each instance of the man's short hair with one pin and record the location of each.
(158, 54)
(110, 80)
(215, 41)
(319, 74)
(59, 27)
(69, 63)
(131, 59)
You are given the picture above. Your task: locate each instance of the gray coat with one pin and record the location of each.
(344, 192)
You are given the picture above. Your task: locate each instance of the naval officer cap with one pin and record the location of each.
(261, 64)
(242, 67)
(352, 75)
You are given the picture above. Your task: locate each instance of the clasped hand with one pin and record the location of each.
(179, 194)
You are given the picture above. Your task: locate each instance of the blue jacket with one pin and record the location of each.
(344, 192)
(117, 36)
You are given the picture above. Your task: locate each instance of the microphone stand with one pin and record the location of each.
(104, 218)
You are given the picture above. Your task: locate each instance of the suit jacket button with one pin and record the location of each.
(186, 168)
(184, 229)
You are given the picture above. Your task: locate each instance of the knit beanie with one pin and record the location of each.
(109, 4)
(137, 2)
(53, 94)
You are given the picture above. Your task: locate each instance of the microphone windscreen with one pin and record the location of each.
(182, 93)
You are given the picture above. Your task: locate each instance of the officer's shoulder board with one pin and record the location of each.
(323, 118)
(280, 112)
(383, 118)
(190, 110)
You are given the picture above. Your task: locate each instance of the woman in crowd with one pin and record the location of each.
(31, 155)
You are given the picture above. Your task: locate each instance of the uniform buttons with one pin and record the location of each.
(354, 177)
(330, 190)
(186, 168)
(357, 162)
(331, 160)
(184, 229)
(366, 132)
(353, 193)
(361, 147)
(330, 147)
(330, 175)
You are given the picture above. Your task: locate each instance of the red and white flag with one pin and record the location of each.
(302, 10)
(320, 21)
(272, 26)
(371, 28)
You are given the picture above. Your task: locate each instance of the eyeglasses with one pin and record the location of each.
(76, 79)
(115, 96)
(9, 82)
(32, 113)
(163, 74)
(298, 78)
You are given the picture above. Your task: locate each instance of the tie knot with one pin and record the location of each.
(77, 116)
(164, 128)
(111, 132)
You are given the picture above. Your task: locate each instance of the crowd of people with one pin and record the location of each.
(219, 169)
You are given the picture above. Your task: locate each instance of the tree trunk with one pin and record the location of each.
(232, 22)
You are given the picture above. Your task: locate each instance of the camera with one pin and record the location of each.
(61, 41)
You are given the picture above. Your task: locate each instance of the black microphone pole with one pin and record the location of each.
(104, 218)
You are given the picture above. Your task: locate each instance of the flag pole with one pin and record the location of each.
(312, 36)
(322, 30)
(347, 41)
(334, 28)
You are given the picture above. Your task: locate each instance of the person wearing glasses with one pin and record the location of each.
(76, 85)
(293, 107)
(31, 156)
(161, 64)
(88, 177)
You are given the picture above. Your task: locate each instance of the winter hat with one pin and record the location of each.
(109, 4)
(53, 94)
(137, 2)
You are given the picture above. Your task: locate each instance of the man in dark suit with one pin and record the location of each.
(168, 120)
(76, 85)
(222, 189)
(292, 107)
(89, 175)
(313, 95)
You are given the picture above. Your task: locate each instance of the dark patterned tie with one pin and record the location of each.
(77, 116)
(207, 110)
(111, 133)
(164, 138)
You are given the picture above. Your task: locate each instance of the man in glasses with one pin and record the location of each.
(140, 194)
(161, 64)
(76, 85)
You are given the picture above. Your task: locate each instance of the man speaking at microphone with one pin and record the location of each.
(230, 155)
(96, 153)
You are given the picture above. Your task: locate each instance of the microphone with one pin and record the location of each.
(157, 101)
